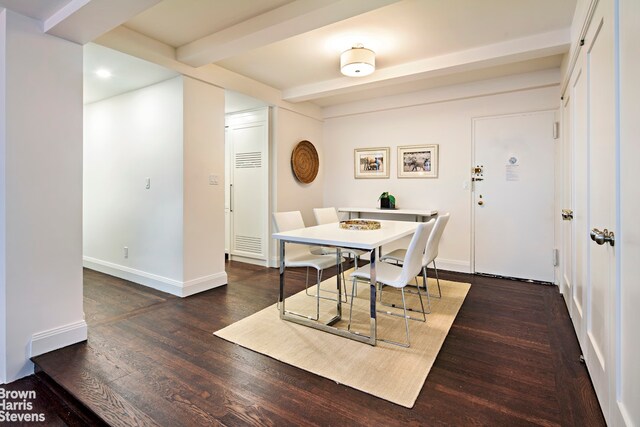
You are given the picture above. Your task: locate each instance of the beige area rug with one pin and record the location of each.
(387, 371)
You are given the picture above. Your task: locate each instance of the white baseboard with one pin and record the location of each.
(164, 284)
(247, 260)
(53, 339)
(204, 283)
(453, 265)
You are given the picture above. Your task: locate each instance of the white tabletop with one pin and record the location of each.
(415, 212)
(333, 235)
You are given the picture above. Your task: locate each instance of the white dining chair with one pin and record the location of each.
(430, 253)
(297, 255)
(430, 226)
(397, 277)
(329, 216)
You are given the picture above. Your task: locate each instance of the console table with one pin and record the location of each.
(419, 214)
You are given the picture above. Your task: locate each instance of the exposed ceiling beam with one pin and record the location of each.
(82, 21)
(286, 21)
(133, 43)
(537, 46)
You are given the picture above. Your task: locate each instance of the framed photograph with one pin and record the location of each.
(371, 162)
(418, 161)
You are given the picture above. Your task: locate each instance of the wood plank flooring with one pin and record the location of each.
(511, 358)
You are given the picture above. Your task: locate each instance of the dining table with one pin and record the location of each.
(333, 236)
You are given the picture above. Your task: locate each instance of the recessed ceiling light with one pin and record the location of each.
(103, 74)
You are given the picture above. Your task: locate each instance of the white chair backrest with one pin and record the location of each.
(431, 252)
(287, 221)
(325, 215)
(413, 259)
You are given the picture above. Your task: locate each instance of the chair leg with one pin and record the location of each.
(437, 279)
(421, 311)
(355, 264)
(426, 287)
(319, 277)
(306, 287)
(406, 318)
(344, 287)
(306, 283)
(424, 313)
(406, 324)
(353, 287)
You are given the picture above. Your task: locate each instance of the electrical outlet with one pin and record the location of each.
(126, 252)
(213, 179)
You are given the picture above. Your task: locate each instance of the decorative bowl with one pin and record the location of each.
(360, 224)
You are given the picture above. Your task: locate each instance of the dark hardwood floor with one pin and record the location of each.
(511, 358)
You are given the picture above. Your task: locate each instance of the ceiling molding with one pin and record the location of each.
(521, 49)
(286, 21)
(82, 21)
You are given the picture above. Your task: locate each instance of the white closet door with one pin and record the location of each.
(580, 231)
(600, 54)
(249, 190)
(566, 228)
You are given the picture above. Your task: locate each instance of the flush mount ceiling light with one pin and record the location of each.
(357, 61)
(103, 73)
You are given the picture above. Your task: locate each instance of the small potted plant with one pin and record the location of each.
(387, 201)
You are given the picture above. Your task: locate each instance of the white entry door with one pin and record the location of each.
(514, 196)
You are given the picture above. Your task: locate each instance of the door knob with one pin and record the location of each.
(602, 237)
(480, 202)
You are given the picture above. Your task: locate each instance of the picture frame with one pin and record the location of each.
(371, 162)
(418, 161)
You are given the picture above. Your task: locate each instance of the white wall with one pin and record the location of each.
(3, 197)
(41, 145)
(628, 299)
(172, 133)
(203, 203)
(444, 117)
(289, 194)
(128, 138)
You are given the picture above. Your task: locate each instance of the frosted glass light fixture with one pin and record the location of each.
(357, 61)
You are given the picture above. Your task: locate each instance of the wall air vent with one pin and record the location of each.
(249, 160)
(248, 244)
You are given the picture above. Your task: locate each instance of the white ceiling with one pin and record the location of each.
(36, 9)
(294, 45)
(127, 73)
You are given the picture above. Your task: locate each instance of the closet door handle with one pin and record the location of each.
(231, 197)
(602, 237)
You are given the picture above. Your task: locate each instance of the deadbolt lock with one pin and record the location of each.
(477, 173)
(567, 214)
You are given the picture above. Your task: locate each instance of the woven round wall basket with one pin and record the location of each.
(305, 162)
